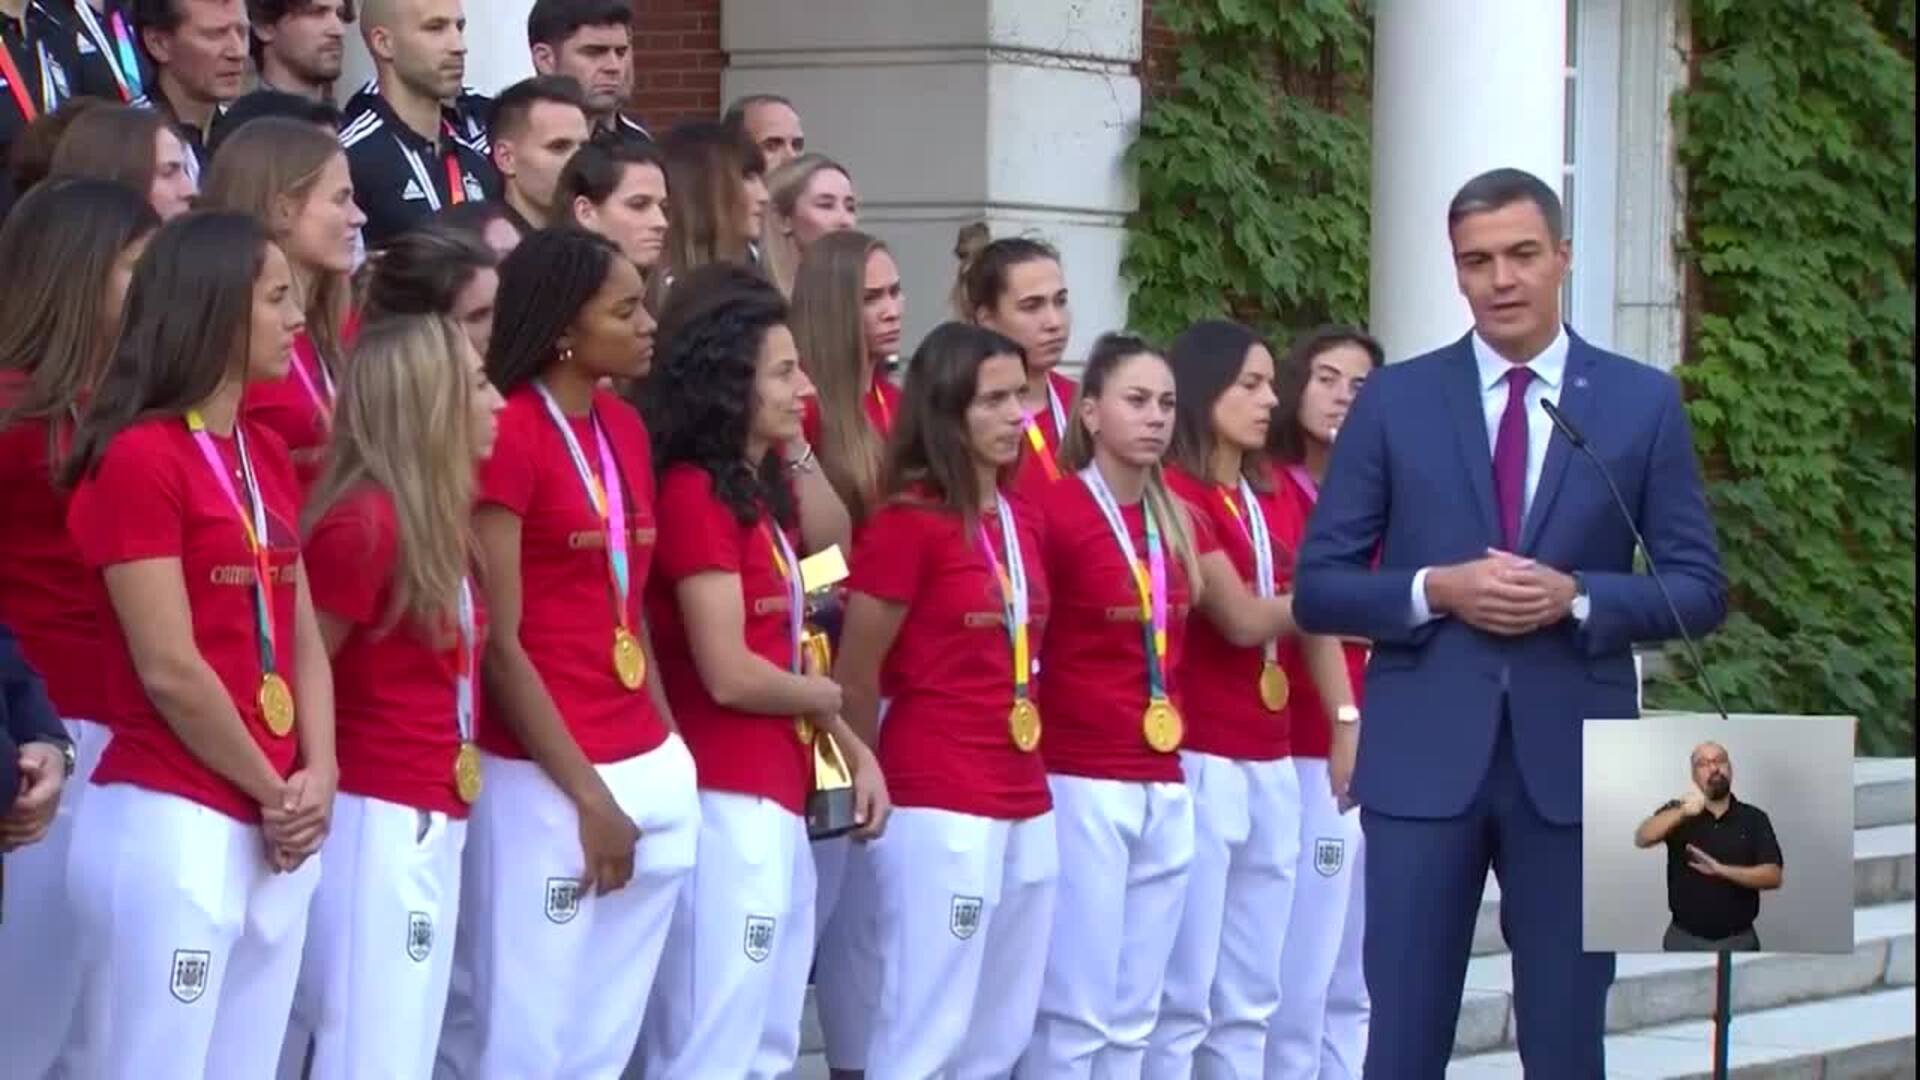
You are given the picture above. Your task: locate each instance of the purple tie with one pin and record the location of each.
(1510, 456)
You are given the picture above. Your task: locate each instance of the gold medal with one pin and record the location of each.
(629, 662)
(1273, 687)
(276, 704)
(1024, 725)
(1162, 726)
(466, 773)
(803, 730)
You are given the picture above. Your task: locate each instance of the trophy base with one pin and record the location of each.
(830, 813)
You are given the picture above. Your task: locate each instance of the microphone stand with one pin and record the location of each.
(1723, 961)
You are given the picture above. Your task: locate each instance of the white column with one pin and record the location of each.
(949, 111)
(1459, 87)
(497, 54)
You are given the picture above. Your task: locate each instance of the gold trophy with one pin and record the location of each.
(830, 805)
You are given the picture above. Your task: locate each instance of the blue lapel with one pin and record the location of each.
(1462, 381)
(1576, 402)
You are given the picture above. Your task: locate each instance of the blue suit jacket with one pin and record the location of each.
(1411, 476)
(25, 715)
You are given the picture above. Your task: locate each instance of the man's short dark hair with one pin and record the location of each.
(261, 103)
(735, 118)
(552, 22)
(508, 117)
(161, 15)
(1501, 188)
(269, 12)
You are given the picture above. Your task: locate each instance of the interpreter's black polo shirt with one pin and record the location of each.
(1711, 907)
(401, 179)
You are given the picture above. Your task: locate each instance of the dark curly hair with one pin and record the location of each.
(699, 399)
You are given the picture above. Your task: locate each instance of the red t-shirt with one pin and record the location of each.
(53, 602)
(1312, 731)
(567, 618)
(394, 697)
(1093, 682)
(298, 407)
(744, 752)
(1220, 681)
(946, 743)
(882, 404)
(1031, 476)
(154, 497)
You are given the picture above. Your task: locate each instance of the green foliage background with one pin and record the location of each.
(1798, 142)
(1253, 167)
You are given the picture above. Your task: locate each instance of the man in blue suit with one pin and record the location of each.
(1503, 609)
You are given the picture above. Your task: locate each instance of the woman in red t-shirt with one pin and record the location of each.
(1323, 1023)
(847, 306)
(728, 606)
(1243, 661)
(436, 269)
(56, 331)
(389, 555)
(947, 599)
(1015, 286)
(617, 186)
(1123, 563)
(190, 855)
(293, 177)
(588, 792)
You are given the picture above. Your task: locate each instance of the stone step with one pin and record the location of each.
(1857, 1037)
(1883, 792)
(1666, 988)
(1883, 872)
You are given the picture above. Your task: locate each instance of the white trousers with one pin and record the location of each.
(846, 956)
(846, 968)
(733, 979)
(965, 911)
(1124, 853)
(1329, 848)
(380, 940)
(39, 982)
(1343, 1049)
(556, 981)
(1223, 982)
(191, 941)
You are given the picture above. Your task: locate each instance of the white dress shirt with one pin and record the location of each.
(1549, 371)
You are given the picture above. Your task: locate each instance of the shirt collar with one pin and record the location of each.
(1548, 367)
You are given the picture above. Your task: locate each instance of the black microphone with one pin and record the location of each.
(1579, 442)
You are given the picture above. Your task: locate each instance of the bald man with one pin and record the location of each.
(411, 151)
(1721, 855)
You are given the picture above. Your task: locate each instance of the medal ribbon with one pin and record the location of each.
(1038, 439)
(90, 23)
(456, 191)
(22, 96)
(1012, 577)
(1149, 581)
(253, 520)
(463, 663)
(608, 500)
(1253, 525)
(304, 354)
(129, 59)
(788, 567)
(1305, 479)
(880, 399)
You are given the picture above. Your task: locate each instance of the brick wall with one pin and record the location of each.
(677, 61)
(1158, 45)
